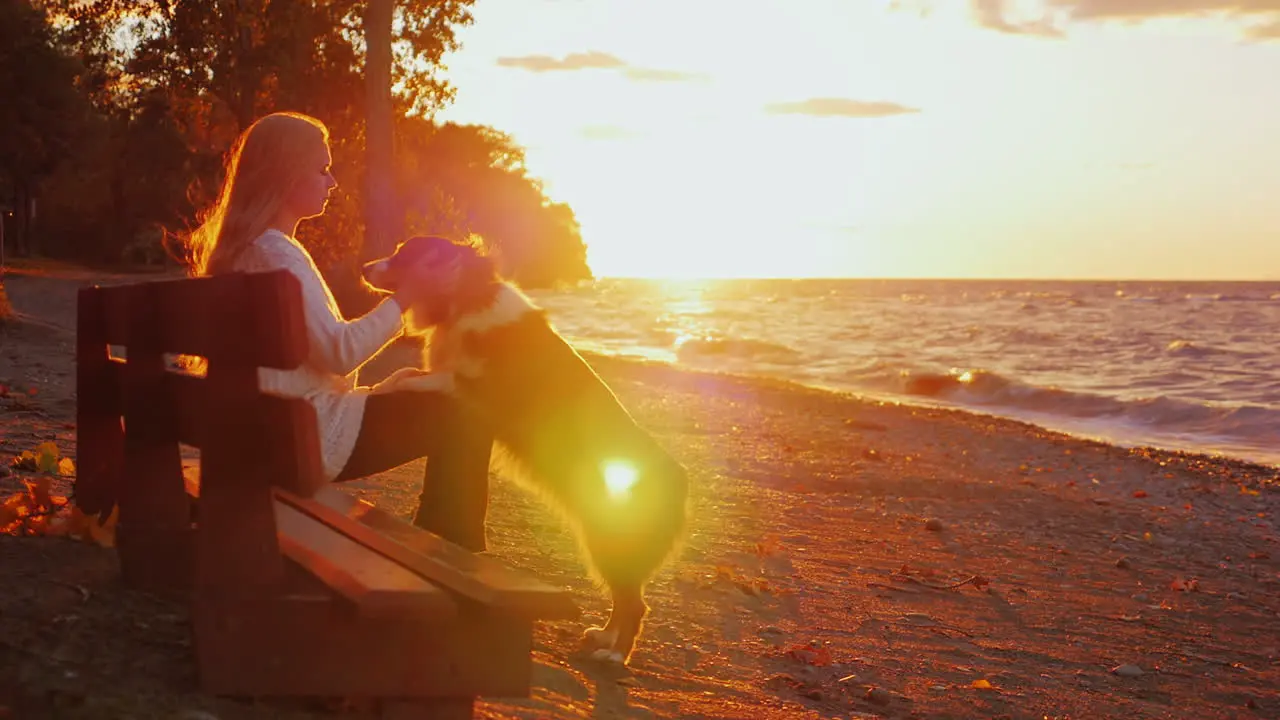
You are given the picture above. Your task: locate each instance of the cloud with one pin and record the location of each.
(1143, 9)
(840, 107)
(1264, 31)
(992, 14)
(606, 132)
(594, 60)
(995, 14)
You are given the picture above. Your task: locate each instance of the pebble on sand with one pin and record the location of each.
(1127, 670)
(934, 525)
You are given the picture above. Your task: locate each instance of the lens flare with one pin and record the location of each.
(619, 478)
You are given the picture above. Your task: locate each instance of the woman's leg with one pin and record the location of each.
(400, 427)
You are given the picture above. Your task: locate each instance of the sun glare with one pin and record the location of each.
(619, 477)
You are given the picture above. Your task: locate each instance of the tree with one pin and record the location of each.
(40, 110)
(380, 211)
(190, 75)
(471, 179)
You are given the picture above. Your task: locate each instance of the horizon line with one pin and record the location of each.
(713, 278)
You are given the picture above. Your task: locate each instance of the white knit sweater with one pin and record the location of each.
(338, 347)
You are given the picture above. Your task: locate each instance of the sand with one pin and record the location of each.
(847, 559)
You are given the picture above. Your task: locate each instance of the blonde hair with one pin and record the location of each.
(263, 166)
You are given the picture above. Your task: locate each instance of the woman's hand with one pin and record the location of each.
(413, 379)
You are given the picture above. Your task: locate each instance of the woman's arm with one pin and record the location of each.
(336, 345)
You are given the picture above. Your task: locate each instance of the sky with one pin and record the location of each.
(894, 138)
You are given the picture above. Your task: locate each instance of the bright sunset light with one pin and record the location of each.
(619, 478)
(861, 138)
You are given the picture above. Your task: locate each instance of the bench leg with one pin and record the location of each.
(441, 709)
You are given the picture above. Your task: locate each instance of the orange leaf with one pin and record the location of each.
(104, 533)
(1139, 493)
(38, 525)
(40, 492)
(77, 523)
(982, 685)
(8, 514)
(57, 526)
(810, 654)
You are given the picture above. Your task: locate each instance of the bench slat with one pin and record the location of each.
(375, 584)
(285, 454)
(194, 313)
(481, 578)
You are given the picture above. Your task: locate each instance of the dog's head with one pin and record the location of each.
(426, 259)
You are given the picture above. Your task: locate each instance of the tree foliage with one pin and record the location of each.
(41, 110)
(141, 122)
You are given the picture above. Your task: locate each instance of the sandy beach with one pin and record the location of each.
(847, 559)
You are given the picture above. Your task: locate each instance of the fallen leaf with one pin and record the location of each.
(810, 654)
(1139, 493)
(982, 685)
(47, 456)
(8, 516)
(40, 492)
(66, 466)
(104, 533)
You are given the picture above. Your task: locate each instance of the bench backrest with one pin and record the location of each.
(133, 413)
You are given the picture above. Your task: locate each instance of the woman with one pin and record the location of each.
(278, 175)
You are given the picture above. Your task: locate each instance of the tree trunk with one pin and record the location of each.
(246, 74)
(381, 227)
(21, 217)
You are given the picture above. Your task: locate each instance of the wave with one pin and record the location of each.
(1182, 361)
(1186, 348)
(1163, 415)
(1229, 298)
(692, 349)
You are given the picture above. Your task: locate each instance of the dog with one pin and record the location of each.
(570, 437)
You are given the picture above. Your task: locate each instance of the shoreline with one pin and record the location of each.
(845, 557)
(602, 360)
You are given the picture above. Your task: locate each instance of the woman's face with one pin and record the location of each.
(311, 193)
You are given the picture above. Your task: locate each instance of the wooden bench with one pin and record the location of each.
(296, 588)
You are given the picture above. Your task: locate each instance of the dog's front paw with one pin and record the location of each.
(599, 644)
(598, 637)
(609, 657)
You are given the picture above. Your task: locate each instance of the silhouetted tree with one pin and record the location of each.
(188, 76)
(40, 112)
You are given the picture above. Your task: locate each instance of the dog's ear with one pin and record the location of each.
(477, 276)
